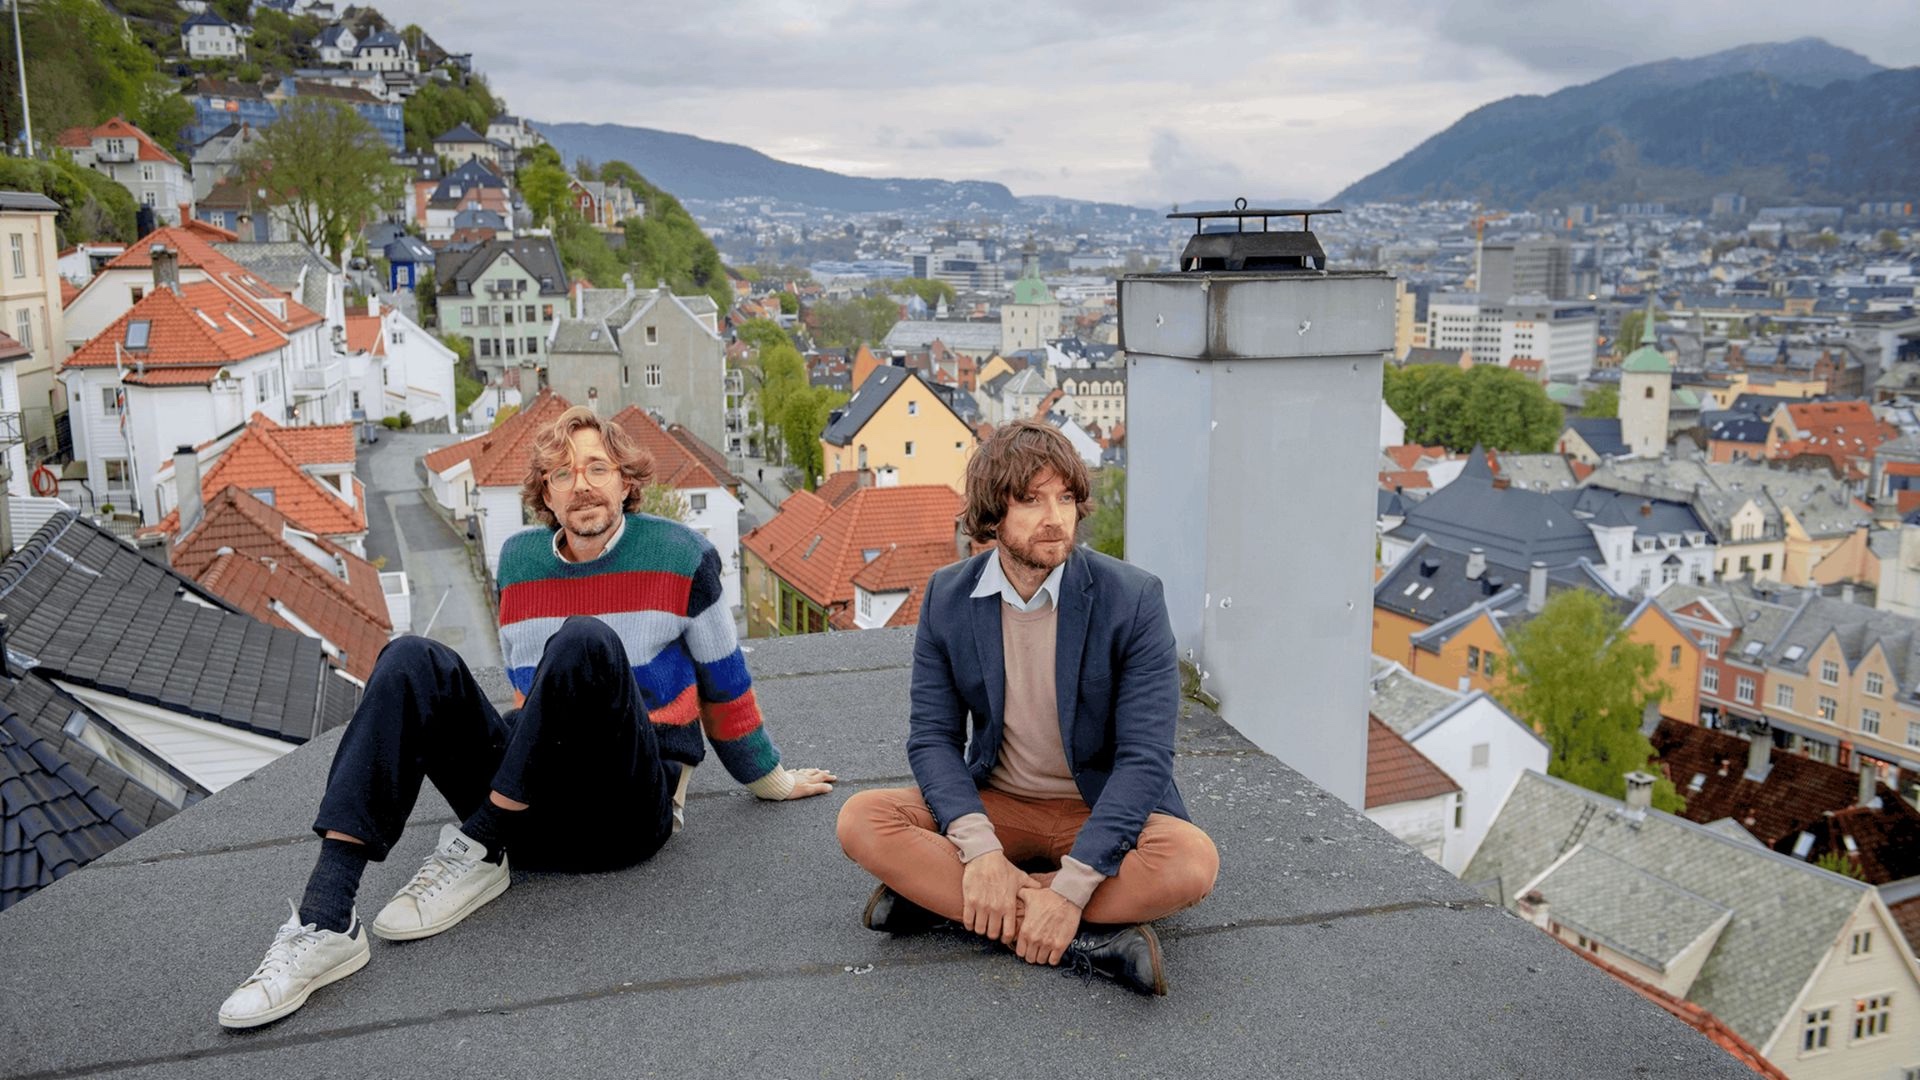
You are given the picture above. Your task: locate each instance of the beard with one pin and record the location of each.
(591, 528)
(1035, 553)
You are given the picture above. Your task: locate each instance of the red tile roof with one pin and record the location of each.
(1410, 455)
(1845, 432)
(1397, 773)
(200, 326)
(714, 460)
(821, 558)
(502, 461)
(448, 456)
(1799, 794)
(68, 290)
(238, 528)
(1694, 1017)
(364, 336)
(840, 487)
(672, 464)
(904, 567)
(11, 349)
(1409, 478)
(256, 462)
(194, 242)
(117, 128)
(312, 444)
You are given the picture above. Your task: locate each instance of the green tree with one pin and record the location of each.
(783, 373)
(860, 321)
(929, 290)
(426, 293)
(1888, 240)
(1106, 527)
(1838, 863)
(1602, 402)
(438, 107)
(803, 417)
(163, 113)
(1579, 680)
(85, 67)
(1486, 406)
(762, 334)
(328, 167)
(789, 304)
(1632, 325)
(663, 501)
(544, 186)
(92, 206)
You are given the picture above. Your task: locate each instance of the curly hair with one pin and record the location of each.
(553, 448)
(1005, 466)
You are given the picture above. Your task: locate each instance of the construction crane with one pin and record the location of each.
(1480, 220)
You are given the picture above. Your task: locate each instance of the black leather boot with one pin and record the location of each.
(1129, 955)
(890, 913)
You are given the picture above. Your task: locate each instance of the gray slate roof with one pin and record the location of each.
(880, 385)
(1717, 491)
(538, 257)
(26, 200)
(1536, 472)
(460, 133)
(1759, 619)
(1404, 701)
(1602, 434)
(281, 264)
(966, 336)
(1283, 962)
(87, 608)
(1514, 526)
(1637, 913)
(53, 820)
(1756, 968)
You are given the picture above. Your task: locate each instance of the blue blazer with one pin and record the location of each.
(1118, 681)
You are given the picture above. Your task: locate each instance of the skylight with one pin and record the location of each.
(1795, 652)
(137, 331)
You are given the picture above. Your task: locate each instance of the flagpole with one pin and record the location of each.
(126, 431)
(20, 61)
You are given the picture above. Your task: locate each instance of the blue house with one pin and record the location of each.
(407, 256)
(219, 102)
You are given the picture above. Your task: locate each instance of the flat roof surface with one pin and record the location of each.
(1328, 948)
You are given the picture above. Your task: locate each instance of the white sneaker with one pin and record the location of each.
(301, 959)
(452, 884)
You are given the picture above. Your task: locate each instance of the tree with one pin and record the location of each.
(1888, 240)
(929, 290)
(663, 501)
(438, 107)
(92, 206)
(328, 168)
(803, 417)
(1486, 406)
(426, 294)
(1581, 682)
(1632, 325)
(1602, 402)
(789, 304)
(859, 321)
(1106, 527)
(783, 373)
(544, 186)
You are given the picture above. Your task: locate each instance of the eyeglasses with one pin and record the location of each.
(598, 474)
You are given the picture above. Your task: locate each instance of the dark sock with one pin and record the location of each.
(328, 902)
(488, 826)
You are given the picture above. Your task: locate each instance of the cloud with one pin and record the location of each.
(960, 137)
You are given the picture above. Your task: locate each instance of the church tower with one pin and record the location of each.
(1646, 394)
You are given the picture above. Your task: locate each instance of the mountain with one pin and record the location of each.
(696, 168)
(1802, 121)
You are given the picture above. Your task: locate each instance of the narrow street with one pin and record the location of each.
(450, 601)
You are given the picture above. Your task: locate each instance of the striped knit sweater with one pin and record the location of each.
(658, 588)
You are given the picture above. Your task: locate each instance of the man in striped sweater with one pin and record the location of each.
(621, 655)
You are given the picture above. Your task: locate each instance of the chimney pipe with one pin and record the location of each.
(1536, 587)
(1869, 783)
(1639, 794)
(1476, 563)
(373, 305)
(155, 546)
(627, 280)
(1534, 907)
(166, 268)
(1759, 757)
(186, 488)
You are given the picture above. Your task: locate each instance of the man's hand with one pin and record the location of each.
(990, 890)
(1048, 922)
(810, 782)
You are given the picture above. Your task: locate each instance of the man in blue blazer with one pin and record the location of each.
(1045, 690)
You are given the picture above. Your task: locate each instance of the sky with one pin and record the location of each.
(1137, 101)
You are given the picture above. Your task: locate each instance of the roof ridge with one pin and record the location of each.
(28, 555)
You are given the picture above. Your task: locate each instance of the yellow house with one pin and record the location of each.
(995, 367)
(897, 420)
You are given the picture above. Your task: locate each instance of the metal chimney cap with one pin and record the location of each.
(1240, 251)
(1241, 211)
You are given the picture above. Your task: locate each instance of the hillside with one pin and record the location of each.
(1796, 121)
(701, 169)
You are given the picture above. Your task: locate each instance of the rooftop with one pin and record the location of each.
(765, 953)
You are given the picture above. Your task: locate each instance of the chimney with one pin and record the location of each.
(1759, 756)
(1255, 348)
(1536, 587)
(373, 305)
(627, 280)
(186, 488)
(186, 212)
(1639, 794)
(166, 268)
(1869, 784)
(1534, 907)
(155, 547)
(1646, 509)
(1476, 563)
(1501, 483)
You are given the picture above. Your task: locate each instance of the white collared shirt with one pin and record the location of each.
(994, 580)
(619, 526)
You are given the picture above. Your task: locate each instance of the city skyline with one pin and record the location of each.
(1125, 102)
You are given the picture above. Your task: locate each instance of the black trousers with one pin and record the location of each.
(581, 753)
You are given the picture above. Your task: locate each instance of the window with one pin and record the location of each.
(356, 398)
(528, 315)
(1829, 672)
(913, 408)
(1746, 564)
(1766, 561)
(1862, 943)
(653, 375)
(909, 447)
(23, 327)
(146, 173)
(1710, 679)
(509, 315)
(19, 255)
(1460, 811)
(1913, 733)
(110, 401)
(1649, 392)
(1482, 753)
(1870, 721)
(511, 346)
(1711, 644)
(1828, 708)
(546, 312)
(1783, 696)
(466, 315)
(1870, 1016)
(1743, 690)
(119, 473)
(1673, 657)
(1816, 750)
(626, 375)
(1487, 663)
(486, 346)
(1875, 684)
(1816, 1030)
(532, 347)
(696, 503)
(1473, 658)
(653, 335)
